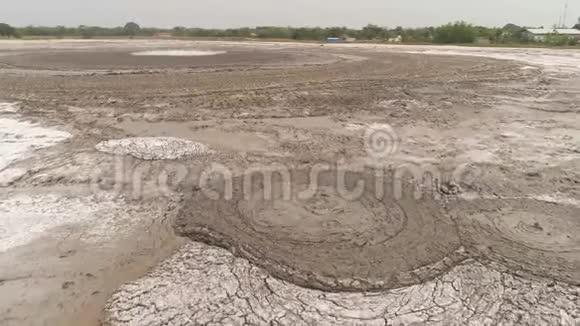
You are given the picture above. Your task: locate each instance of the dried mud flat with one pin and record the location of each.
(108, 213)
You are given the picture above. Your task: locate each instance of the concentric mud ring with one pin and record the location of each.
(326, 239)
(539, 237)
(308, 220)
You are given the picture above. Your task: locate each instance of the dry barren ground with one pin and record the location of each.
(222, 183)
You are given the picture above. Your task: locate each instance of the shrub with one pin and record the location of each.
(558, 39)
(459, 32)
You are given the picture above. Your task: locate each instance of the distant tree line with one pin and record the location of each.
(131, 29)
(369, 32)
(452, 33)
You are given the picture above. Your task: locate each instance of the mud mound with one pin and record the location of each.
(539, 237)
(307, 230)
(153, 148)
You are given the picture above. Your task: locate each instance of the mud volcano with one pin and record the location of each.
(526, 234)
(317, 231)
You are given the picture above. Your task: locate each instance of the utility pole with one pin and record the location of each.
(565, 15)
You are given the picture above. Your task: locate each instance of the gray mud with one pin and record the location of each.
(105, 153)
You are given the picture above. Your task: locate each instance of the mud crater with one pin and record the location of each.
(304, 229)
(525, 234)
(312, 230)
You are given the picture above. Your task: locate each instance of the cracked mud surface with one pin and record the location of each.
(152, 149)
(490, 136)
(202, 285)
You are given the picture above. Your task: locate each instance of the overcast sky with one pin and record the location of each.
(236, 13)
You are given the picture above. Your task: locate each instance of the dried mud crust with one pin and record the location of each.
(324, 239)
(204, 285)
(155, 148)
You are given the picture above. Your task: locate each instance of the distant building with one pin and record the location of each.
(343, 38)
(163, 35)
(482, 41)
(539, 34)
(577, 26)
(334, 40)
(398, 39)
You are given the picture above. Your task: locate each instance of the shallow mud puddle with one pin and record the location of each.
(215, 137)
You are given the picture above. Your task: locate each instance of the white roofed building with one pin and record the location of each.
(539, 34)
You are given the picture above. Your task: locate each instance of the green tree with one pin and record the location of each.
(60, 31)
(335, 32)
(372, 32)
(309, 33)
(459, 32)
(131, 29)
(178, 31)
(423, 34)
(86, 32)
(273, 32)
(7, 30)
